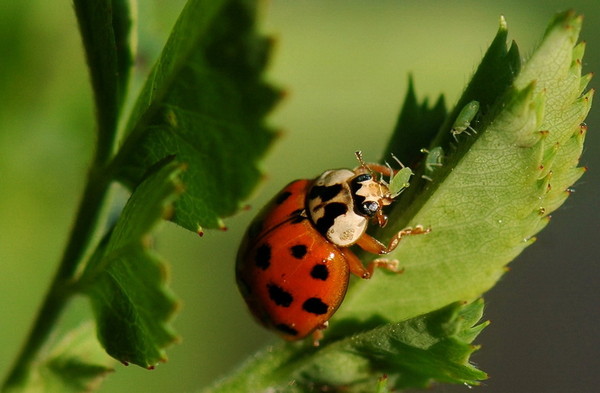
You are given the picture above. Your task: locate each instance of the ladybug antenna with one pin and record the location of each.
(362, 163)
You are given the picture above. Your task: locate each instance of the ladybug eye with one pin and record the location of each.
(370, 208)
(362, 178)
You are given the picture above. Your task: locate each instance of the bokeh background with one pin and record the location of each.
(344, 65)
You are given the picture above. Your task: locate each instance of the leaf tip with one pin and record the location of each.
(502, 24)
(221, 225)
(567, 21)
(590, 94)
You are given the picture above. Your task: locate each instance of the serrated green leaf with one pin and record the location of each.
(487, 202)
(105, 27)
(412, 353)
(205, 103)
(126, 279)
(75, 364)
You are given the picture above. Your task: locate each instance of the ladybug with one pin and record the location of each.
(294, 262)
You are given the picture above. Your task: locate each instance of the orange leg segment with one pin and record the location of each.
(358, 269)
(374, 246)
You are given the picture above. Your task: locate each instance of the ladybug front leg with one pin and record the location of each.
(374, 246)
(355, 265)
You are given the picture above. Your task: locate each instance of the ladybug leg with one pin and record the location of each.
(358, 269)
(318, 333)
(391, 265)
(418, 230)
(374, 246)
(355, 265)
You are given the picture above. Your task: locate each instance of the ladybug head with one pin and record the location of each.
(370, 196)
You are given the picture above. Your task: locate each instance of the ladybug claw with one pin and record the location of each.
(318, 335)
(417, 230)
(420, 229)
(392, 265)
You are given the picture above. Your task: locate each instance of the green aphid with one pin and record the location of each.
(464, 119)
(433, 161)
(399, 181)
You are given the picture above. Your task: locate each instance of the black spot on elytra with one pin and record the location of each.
(279, 296)
(326, 193)
(282, 197)
(319, 272)
(332, 211)
(262, 259)
(298, 251)
(314, 305)
(287, 329)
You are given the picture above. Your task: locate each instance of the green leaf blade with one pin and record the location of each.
(205, 103)
(126, 280)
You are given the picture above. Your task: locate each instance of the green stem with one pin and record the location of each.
(62, 286)
(54, 303)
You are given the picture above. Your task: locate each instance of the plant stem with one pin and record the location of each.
(62, 286)
(55, 301)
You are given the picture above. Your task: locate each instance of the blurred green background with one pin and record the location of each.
(344, 65)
